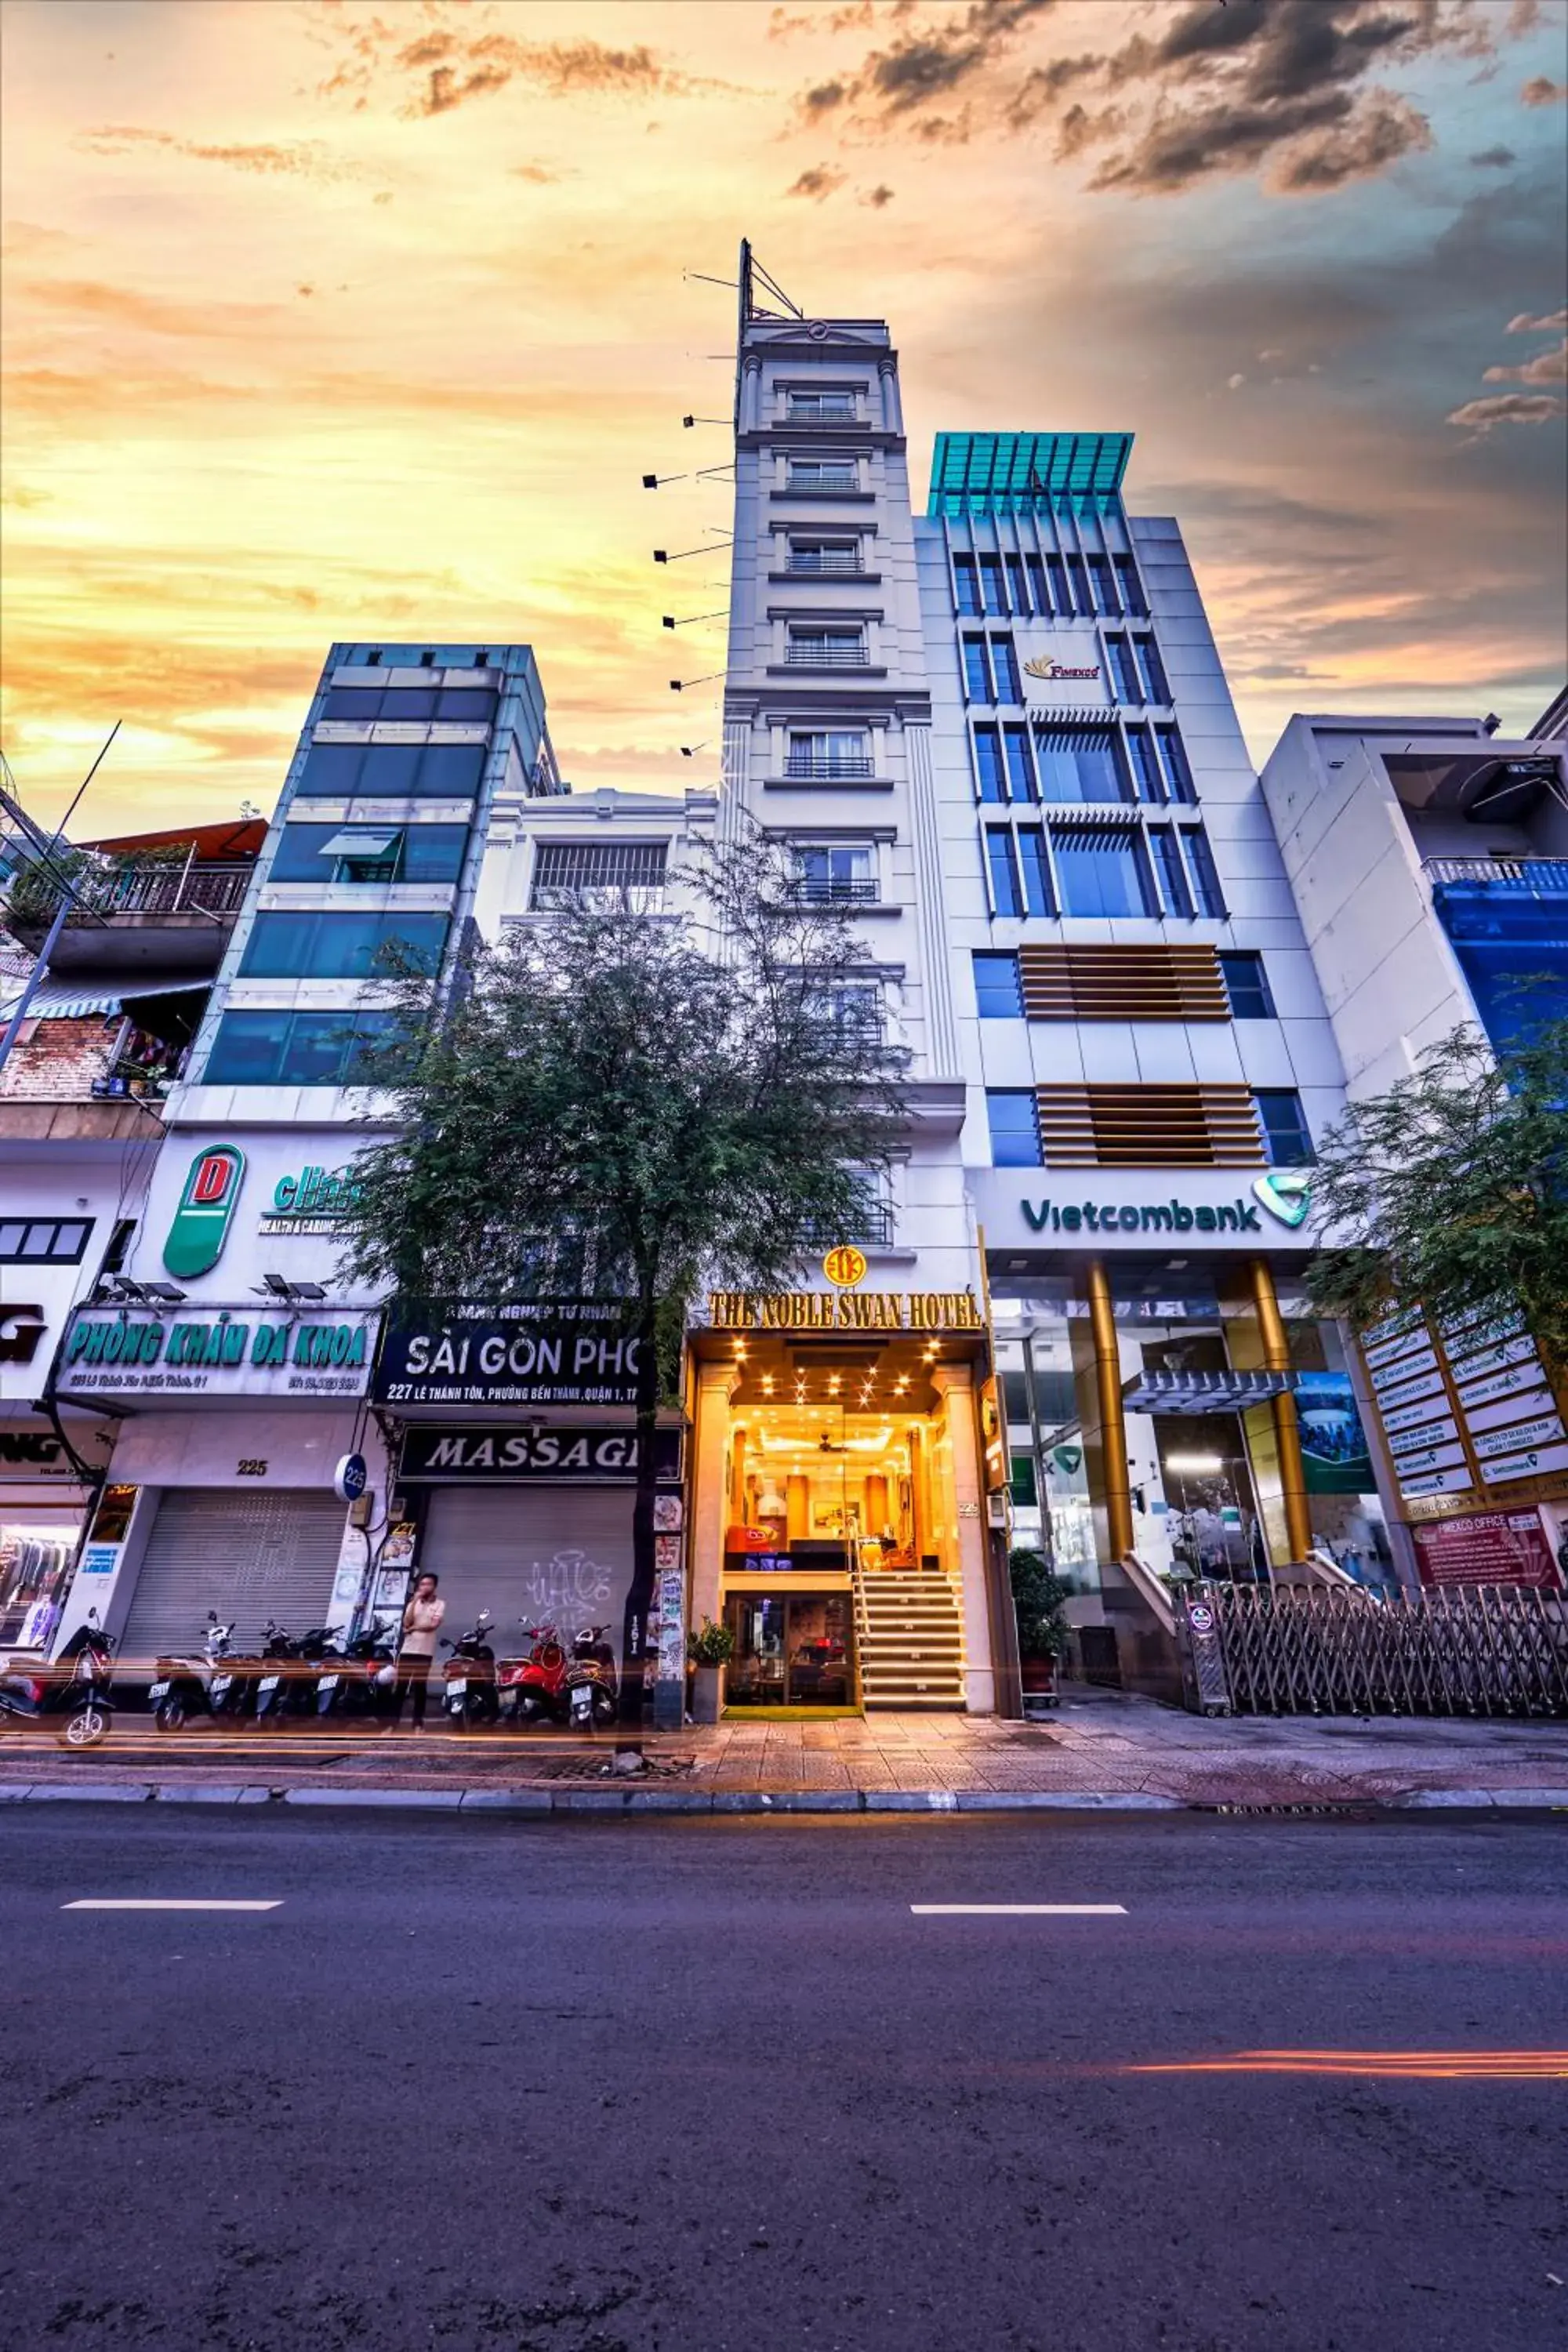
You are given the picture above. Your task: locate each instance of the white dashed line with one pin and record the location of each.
(1019, 1910)
(161, 1903)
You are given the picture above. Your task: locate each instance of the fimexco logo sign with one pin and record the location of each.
(206, 1208)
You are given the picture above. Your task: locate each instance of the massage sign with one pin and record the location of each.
(110, 1353)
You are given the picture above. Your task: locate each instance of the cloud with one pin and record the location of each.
(817, 184)
(1507, 408)
(304, 159)
(1544, 91)
(450, 64)
(928, 63)
(539, 175)
(1546, 367)
(1555, 323)
(123, 306)
(877, 196)
(1494, 159)
(1234, 383)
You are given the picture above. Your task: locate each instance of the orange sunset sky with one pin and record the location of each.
(328, 321)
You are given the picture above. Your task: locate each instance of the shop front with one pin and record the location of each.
(49, 1483)
(838, 1504)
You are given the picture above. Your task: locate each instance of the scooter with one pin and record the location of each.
(469, 1696)
(72, 1693)
(278, 1655)
(192, 1686)
(593, 1689)
(533, 1689)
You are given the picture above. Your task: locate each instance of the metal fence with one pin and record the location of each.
(1493, 1649)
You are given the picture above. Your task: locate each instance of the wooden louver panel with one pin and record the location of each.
(1149, 1127)
(1156, 982)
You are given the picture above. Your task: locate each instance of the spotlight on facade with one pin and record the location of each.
(1196, 1466)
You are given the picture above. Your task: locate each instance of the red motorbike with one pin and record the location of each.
(533, 1689)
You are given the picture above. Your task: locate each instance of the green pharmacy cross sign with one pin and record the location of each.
(202, 1221)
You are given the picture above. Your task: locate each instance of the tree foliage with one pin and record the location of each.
(1452, 1187)
(1039, 1599)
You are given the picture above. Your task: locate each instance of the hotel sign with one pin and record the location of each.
(846, 1310)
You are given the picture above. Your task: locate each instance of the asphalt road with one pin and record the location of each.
(713, 2086)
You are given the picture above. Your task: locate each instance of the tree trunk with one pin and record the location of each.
(639, 1596)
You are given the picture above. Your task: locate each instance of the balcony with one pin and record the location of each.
(842, 478)
(822, 890)
(824, 562)
(1536, 878)
(829, 767)
(826, 653)
(170, 915)
(812, 412)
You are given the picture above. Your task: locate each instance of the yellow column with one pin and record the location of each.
(1287, 1428)
(1112, 1423)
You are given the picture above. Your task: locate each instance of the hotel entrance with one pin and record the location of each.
(836, 1499)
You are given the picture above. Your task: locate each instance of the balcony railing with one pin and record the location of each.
(828, 767)
(170, 891)
(825, 654)
(808, 412)
(843, 477)
(832, 890)
(1531, 877)
(824, 562)
(874, 1227)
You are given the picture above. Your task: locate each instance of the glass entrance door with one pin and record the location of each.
(795, 1649)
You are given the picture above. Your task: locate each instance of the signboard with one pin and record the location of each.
(201, 1223)
(31, 1454)
(1465, 1404)
(848, 1310)
(314, 1201)
(226, 1351)
(1485, 1547)
(1334, 1455)
(538, 1352)
(1092, 1211)
(596, 1456)
(1063, 671)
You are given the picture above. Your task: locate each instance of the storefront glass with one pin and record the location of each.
(34, 1564)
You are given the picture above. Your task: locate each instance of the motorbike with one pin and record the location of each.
(71, 1693)
(361, 1676)
(279, 1657)
(192, 1685)
(533, 1689)
(469, 1696)
(593, 1689)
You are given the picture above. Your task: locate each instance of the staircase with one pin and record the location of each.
(910, 1637)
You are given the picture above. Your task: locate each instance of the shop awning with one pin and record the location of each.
(1190, 1392)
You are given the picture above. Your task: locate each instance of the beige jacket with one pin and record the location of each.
(421, 1623)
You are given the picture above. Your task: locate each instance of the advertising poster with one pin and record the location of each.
(1334, 1453)
(1487, 1548)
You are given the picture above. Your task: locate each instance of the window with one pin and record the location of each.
(1037, 572)
(473, 705)
(1040, 898)
(1061, 596)
(829, 754)
(1020, 767)
(1146, 776)
(1152, 670)
(1079, 584)
(1017, 587)
(1015, 1128)
(118, 1249)
(1285, 1136)
(1006, 897)
(990, 583)
(965, 585)
(997, 992)
(825, 556)
(988, 761)
(852, 1008)
(824, 474)
(329, 946)
(297, 1049)
(1102, 871)
(1100, 583)
(1174, 760)
(1078, 763)
(46, 1240)
(820, 646)
(842, 871)
(1174, 896)
(808, 405)
(1021, 1485)
(607, 874)
(1005, 663)
(1123, 670)
(976, 670)
(1246, 985)
(1205, 874)
(392, 772)
(1131, 587)
(370, 853)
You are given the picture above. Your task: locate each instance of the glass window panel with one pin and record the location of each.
(1100, 582)
(1123, 670)
(966, 587)
(300, 855)
(1022, 1483)
(1132, 596)
(342, 946)
(331, 771)
(316, 1049)
(38, 1242)
(1173, 759)
(1146, 776)
(1285, 1136)
(1036, 568)
(410, 706)
(1040, 898)
(279, 946)
(1016, 585)
(990, 583)
(389, 770)
(248, 1050)
(1004, 893)
(1152, 669)
(1101, 870)
(1004, 661)
(1015, 1128)
(433, 853)
(1205, 874)
(11, 1240)
(1061, 597)
(474, 704)
(1020, 767)
(451, 771)
(70, 1240)
(988, 762)
(1246, 985)
(976, 673)
(1174, 895)
(1078, 763)
(352, 702)
(1079, 584)
(997, 989)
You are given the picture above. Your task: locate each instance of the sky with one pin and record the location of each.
(323, 320)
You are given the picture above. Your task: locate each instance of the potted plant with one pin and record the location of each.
(1038, 1595)
(710, 1650)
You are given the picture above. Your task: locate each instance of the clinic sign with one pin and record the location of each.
(1102, 1209)
(113, 1352)
(200, 1224)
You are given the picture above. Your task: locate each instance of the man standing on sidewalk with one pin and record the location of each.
(416, 1655)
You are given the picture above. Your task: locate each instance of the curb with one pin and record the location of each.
(620, 1802)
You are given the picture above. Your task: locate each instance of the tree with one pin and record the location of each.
(1039, 1603)
(651, 1104)
(1452, 1188)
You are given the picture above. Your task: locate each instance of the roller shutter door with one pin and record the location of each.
(556, 1555)
(249, 1557)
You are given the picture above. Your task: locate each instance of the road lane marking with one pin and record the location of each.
(1385, 2066)
(1019, 1910)
(161, 1903)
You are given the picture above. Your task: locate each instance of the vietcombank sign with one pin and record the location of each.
(113, 1352)
(1096, 1210)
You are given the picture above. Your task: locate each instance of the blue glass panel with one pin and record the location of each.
(1285, 1136)
(248, 1049)
(1102, 871)
(1038, 897)
(966, 587)
(988, 761)
(1004, 662)
(1020, 767)
(1015, 1128)
(1175, 898)
(1004, 871)
(331, 770)
(1078, 763)
(997, 989)
(976, 674)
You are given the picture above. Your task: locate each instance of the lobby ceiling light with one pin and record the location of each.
(1195, 1465)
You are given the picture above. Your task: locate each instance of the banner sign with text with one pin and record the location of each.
(539, 1351)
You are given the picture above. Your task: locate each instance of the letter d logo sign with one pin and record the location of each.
(206, 1211)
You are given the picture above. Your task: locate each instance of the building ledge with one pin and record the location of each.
(80, 1122)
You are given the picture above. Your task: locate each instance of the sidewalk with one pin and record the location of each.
(1098, 1749)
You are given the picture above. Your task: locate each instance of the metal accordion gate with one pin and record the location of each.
(1461, 1650)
